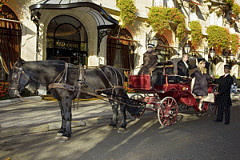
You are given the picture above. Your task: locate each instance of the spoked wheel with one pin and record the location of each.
(213, 108)
(141, 109)
(167, 111)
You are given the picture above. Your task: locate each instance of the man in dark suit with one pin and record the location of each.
(183, 66)
(223, 99)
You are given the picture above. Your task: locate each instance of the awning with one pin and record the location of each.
(102, 18)
(123, 39)
(10, 20)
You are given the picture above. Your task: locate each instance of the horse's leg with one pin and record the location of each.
(67, 114)
(63, 127)
(114, 120)
(123, 108)
(123, 111)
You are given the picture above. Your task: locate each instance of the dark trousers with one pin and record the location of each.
(221, 109)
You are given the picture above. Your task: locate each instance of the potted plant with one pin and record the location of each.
(218, 37)
(127, 11)
(236, 9)
(234, 43)
(160, 19)
(196, 33)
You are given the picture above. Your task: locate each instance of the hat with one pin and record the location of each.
(227, 66)
(150, 45)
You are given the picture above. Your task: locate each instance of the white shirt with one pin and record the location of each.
(185, 64)
(225, 75)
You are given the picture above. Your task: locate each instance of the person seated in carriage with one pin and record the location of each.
(150, 61)
(200, 79)
(183, 66)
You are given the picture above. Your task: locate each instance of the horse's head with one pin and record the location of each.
(18, 79)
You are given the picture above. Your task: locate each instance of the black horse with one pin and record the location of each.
(69, 80)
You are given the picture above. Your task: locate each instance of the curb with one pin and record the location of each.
(18, 100)
(52, 126)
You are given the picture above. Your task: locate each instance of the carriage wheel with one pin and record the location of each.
(213, 108)
(167, 111)
(141, 110)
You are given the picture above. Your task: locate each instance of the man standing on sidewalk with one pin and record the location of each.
(223, 99)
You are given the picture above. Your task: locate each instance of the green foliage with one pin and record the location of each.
(127, 11)
(1, 4)
(196, 32)
(219, 13)
(229, 2)
(234, 43)
(161, 17)
(236, 9)
(127, 89)
(218, 37)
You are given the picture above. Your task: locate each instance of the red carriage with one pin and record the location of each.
(165, 91)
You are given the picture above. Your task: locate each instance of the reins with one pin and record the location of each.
(61, 82)
(81, 82)
(21, 71)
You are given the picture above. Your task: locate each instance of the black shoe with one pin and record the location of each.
(227, 123)
(217, 120)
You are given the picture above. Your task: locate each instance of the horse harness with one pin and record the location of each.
(16, 77)
(62, 82)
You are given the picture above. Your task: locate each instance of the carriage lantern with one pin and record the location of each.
(187, 48)
(212, 53)
(231, 57)
(154, 41)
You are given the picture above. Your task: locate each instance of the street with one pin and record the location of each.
(192, 138)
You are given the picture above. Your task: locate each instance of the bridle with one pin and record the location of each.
(16, 77)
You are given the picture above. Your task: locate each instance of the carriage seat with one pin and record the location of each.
(160, 79)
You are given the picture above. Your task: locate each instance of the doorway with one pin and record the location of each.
(67, 40)
(120, 50)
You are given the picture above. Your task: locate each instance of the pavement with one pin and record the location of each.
(36, 115)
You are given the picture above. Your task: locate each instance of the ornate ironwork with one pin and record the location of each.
(35, 17)
(101, 34)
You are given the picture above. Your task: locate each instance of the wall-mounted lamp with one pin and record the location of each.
(231, 57)
(212, 53)
(187, 48)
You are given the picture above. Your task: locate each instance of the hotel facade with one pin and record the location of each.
(90, 32)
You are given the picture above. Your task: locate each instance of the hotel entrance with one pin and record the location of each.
(67, 40)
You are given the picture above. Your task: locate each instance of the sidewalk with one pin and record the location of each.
(23, 117)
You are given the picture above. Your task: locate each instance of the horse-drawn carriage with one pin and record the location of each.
(165, 91)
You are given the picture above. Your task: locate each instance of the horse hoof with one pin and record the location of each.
(121, 130)
(113, 125)
(58, 136)
(124, 126)
(64, 139)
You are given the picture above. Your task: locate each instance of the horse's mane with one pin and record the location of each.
(47, 62)
(57, 64)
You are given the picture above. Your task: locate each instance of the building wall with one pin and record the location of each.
(87, 21)
(28, 41)
(139, 30)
